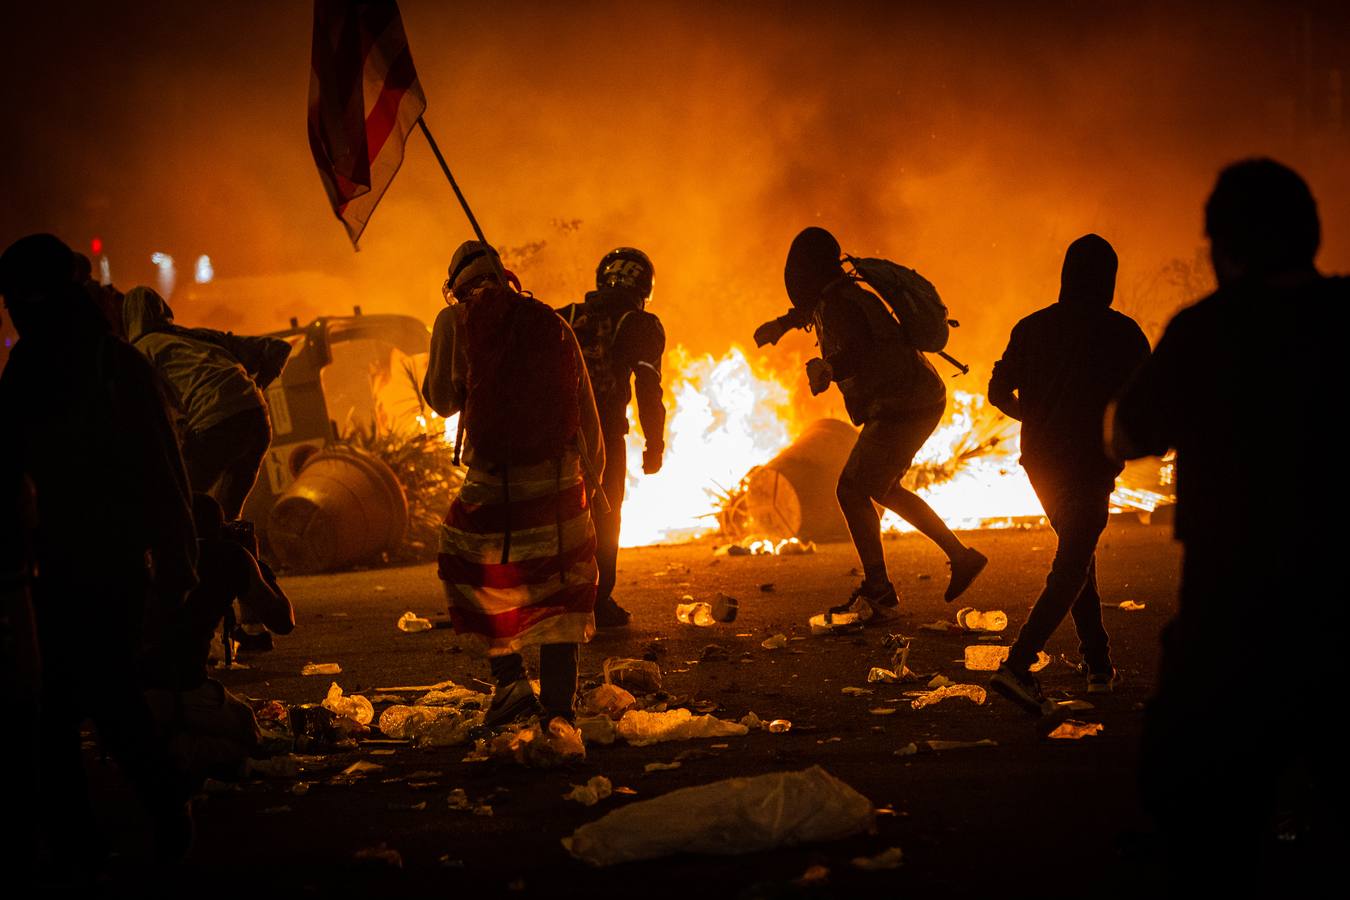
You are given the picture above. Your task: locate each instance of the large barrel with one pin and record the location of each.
(345, 507)
(792, 495)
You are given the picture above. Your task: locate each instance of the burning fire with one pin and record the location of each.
(726, 418)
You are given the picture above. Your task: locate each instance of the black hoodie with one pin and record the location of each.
(1065, 362)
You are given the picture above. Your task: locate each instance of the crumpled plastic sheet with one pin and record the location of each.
(411, 623)
(972, 692)
(643, 728)
(1073, 730)
(639, 676)
(606, 700)
(738, 815)
(430, 726)
(354, 707)
(539, 746)
(592, 792)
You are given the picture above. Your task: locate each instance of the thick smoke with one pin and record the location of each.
(971, 141)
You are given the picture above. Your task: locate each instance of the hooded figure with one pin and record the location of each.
(1063, 364)
(215, 380)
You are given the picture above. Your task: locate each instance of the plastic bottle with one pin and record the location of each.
(699, 614)
(988, 657)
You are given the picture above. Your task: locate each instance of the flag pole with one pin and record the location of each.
(454, 185)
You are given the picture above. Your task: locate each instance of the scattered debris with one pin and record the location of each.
(361, 768)
(353, 707)
(321, 669)
(538, 746)
(913, 748)
(660, 767)
(883, 711)
(1075, 705)
(411, 623)
(606, 700)
(738, 815)
(971, 619)
(834, 623)
(1131, 606)
(725, 607)
(855, 691)
(779, 726)
(939, 681)
(639, 676)
(752, 721)
(891, 858)
(972, 692)
(380, 853)
(777, 642)
(987, 658)
(597, 729)
(813, 877)
(940, 626)
(714, 653)
(767, 587)
(877, 675)
(430, 726)
(643, 728)
(1073, 730)
(691, 613)
(592, 792)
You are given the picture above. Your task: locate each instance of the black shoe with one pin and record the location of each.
(865, 607)
(1023, 689)
(511, 703)
(252, 643)
(609, 614)
(966, 567)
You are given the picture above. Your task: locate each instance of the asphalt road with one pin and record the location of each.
(1026, 817)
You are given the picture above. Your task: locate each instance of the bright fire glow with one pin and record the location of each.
(723, 417)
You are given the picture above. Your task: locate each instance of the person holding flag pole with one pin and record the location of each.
(517, 553)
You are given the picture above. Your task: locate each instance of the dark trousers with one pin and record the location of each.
(1078, 510)
(557, 676)
(89, 634)
(223, 460)
(607, 524)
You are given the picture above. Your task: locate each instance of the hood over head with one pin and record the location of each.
(812, 263)
(145, 311)
(1088, 278)
(45, 299)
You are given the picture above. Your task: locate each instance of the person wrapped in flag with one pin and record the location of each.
(517, 550)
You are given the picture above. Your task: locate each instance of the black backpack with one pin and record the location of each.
(596, 326)
(914, 302)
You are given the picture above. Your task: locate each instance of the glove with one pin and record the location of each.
(819, 375)
(651, 458)
(770, 332)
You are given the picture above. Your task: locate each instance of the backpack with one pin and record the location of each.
(521, 404)
(912, 298)
(596, 325)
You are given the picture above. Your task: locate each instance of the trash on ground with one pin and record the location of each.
(539, 746)
(1076, 705)
(714, 653)
(940, 626)
(938, 681)
(738, 815)
(879, 675)
(361, 768)
(834, 623)
(660, 767)
(643, 728)
(891, 858)
(430, 726)
(597, 729)
(777, 642)
(1131, 605)
(592, 792)
(380, 853)
(779, 726)
(814, 876)
(913, 748)
(606, 700)
(417, 688)
(640, 676)
(767, 587)
(855, 691)
(987, 658)
(753, 722)
(1073, 730)
(411, 622)
(353, 707)
(972, 619)
(691, 613)
(725, 607)
(883, 711)
(321, 669)
(972, 692)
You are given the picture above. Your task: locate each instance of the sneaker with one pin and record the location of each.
(609, 614)
(1102, 682)
(1023, 689)
(864, 608)
(966, 567)
(250, 642)
(511, 703)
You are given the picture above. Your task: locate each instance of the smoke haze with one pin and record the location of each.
(971, 141)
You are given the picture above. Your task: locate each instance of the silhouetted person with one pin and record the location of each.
(623, 344)
(1062, 366)
(216, 380)
(1240, 386)
(113, 539)
(517, 551)
(892, 391)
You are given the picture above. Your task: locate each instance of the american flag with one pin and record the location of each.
(364, 99)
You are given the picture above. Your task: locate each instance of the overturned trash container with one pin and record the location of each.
(793, 494)
(345, 507)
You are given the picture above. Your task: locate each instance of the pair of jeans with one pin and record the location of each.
(1078, 509)
(607, 524)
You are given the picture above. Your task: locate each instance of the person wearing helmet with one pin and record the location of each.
(893, 392)
(623, 344)
(517, 549)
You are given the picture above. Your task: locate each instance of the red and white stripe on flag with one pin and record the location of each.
(364, 99)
